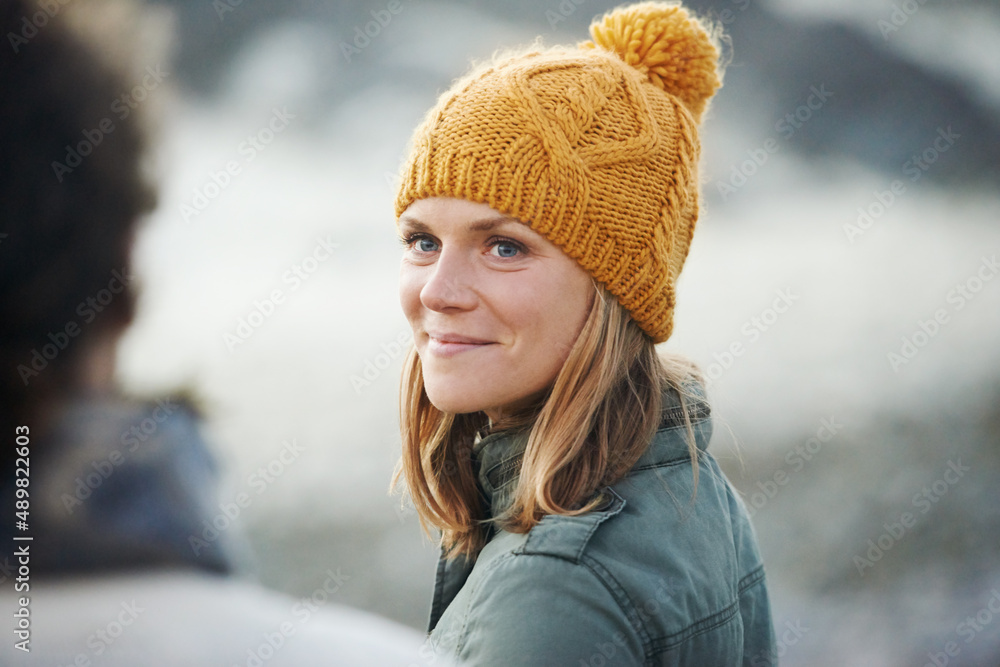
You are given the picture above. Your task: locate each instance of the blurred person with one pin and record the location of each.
(116, 549)
(546, 209)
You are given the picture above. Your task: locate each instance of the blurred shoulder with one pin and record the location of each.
(181, 617)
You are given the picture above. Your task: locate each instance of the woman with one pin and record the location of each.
(546, 209)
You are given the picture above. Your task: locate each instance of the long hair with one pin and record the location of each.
(586, 432)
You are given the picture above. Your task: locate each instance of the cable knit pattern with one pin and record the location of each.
(594, 147)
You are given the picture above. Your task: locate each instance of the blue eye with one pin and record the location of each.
(418, 243)
(505, 249)
(425, 245)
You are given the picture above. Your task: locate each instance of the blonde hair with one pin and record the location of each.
(590, 428)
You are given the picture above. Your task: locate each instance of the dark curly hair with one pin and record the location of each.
(71, 192)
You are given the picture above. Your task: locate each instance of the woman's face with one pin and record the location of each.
(495, 307)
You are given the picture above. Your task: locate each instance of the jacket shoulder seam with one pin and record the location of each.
(599, 573)
(577, 542)
(751, 579)
(622, 599)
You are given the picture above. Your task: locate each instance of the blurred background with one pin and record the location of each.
(842, 292)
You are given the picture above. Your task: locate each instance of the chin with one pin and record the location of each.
(456, 400)
(455, 404)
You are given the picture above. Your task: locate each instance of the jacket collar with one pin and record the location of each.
(497, 457)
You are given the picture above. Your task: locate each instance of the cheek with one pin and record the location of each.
(409, 291)
(564, 325)
(570, 292)
(550, 314)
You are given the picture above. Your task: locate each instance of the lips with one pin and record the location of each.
(449, 344)
(456, 338)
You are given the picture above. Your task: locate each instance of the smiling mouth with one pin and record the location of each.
(449, 346)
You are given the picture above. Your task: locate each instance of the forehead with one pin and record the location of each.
(442, 214)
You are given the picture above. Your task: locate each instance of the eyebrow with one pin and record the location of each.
(483, 225)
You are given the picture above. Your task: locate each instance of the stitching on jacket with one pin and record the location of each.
(696, 420)
(621, 598)
(681, 457)
(467, 614)
(716, 620)
(654, 647)
(673, 416)
(503, 469)
(615, 509)
(662, 464)
(464, 632)
(752, 579)
(594, 519)
(610, 584)
(651, 647)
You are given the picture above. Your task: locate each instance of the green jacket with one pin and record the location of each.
(648, 578)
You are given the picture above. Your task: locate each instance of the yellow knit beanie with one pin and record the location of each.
(594, 147)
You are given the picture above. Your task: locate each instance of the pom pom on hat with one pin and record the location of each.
(671, 47)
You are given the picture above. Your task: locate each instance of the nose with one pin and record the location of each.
(450, 286)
